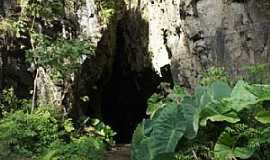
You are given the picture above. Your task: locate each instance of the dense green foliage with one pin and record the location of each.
(217, 122)
(45, 135)
(62, 56)
(46, 33)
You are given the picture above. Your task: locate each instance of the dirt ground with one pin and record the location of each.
(119, 152)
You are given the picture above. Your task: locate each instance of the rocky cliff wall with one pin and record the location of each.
(192, 35)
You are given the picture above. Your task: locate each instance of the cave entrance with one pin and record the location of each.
(124, 101)
(124, 98)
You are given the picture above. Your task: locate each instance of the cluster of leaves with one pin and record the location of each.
(82, 148)
(63, 57)
(43, 134)
(47, 10)
(166, 95)
(95, 127)
(25, 134)
(213, 74)
(257, 73)
(217, 122)
(9, 102)
(12, 26)
(106, 10)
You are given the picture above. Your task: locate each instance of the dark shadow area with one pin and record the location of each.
(14, 71)
(124, 98)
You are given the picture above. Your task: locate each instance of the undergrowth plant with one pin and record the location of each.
(216, 122)
(213, 74)
(44, 135)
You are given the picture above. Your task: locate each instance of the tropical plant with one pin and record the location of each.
(235, 134)
(82, 148)
(23, 134)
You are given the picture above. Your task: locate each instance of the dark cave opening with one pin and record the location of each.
(125, 101)
(124, 98)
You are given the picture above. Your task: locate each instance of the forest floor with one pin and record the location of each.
(119, 152)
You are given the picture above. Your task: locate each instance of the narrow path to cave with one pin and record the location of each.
(119, 152)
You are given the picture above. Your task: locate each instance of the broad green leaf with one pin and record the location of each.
(201, 96)
(168, 129)
(240, 98)
(262, 92)
(217, 112)
(191, 114)
(143, 151)
(219, 90)
(138, 134)
(153, 108)
(223, 152)
(265, 138)
(230, 117)
(243, 152)
(148, 127)
(263, 117)
(226, 147)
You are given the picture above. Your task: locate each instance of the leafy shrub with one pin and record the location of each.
(213, 74)
(44, 9)
(9, 102)
(63, 57)
(41, 135)
(27, 134)
(83, 148)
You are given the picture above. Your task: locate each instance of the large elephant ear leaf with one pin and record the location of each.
(219, 90)
(261, 91)
(191, 112)
(141, 143)
(226, 147)
(263, 117)
(143, 150)
(230, 117)
(241, 97)
(138, 134)
(168, 129)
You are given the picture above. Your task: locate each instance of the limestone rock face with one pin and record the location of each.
(192, 35)
(90, 27)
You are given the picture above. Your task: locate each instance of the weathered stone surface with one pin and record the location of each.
(192, 35)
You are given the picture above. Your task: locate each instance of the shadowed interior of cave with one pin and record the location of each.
(124, 98)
